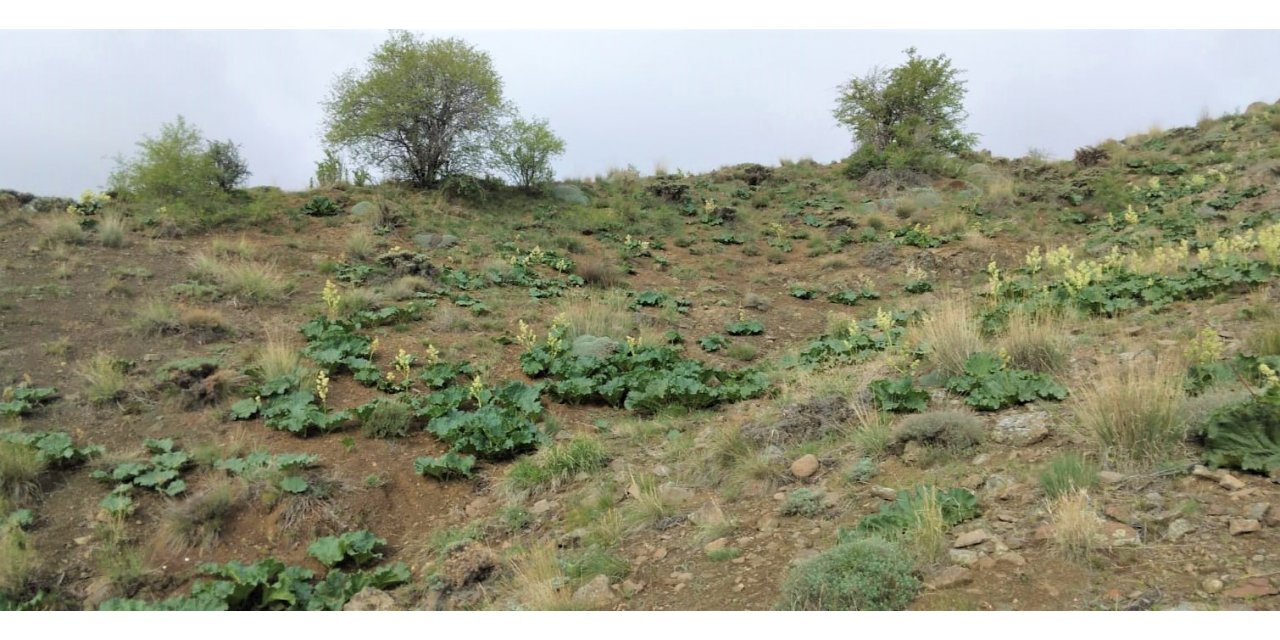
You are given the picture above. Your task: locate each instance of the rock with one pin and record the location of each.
(708, 515)
(1253, 588)
(1201, 471)
(1257, 511)
(951, 576)
(660, 553)
(467, 565)
(681, 576)
(962, 557)
(1177, 529)
(767, 524)
(674, 494)
(805, 466)
(1110, 477)
(1011, 558)
(884, 493)
(370, 599)
(435, 240)
(594, 346)
(1211, 585)
(572, 538)
(661, 471)
(1231, 483)
(980, 459)
(477, 507)
(82, 540)
(1022, 430)
(1239, 526)
(1121, 513)
(569, 193)
(364, 208)
(716, 545)
(1119, 535)
(542, 506)
(1272, 518)
(998, 486)
(595, 594)
(630, 587)
(971, 538)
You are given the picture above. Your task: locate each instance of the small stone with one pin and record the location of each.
(630, 587)
(660, 553)
(1211, 585)
(83, 540)
(985, 563)
(952, 576)
(1230, 482)
(708, 515)
(767, 524)
(542, 506)
(595, 594)
(884, 493)
(1272, 518)
(572, 538)
(1253, 588)
(963, 557)
(1110, 477)
(673, 494)
(805, 466)
(682, 576)
(370, 599)
(716, 545)
(981, 459)
(662, 471)
(1119, 535)
(971, 538)
(477, 507)
(1257, 511)
(1177, 529)
(1239, 526)
(1201, 471)
(739, 587)
(1011, 558)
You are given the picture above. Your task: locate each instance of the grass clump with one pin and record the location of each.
(602, 274)
(952, 335)
(1066, 473)
(1134, 413)
(254, 281)
(1034, 343)
(59, 229)
(556, 464)
(20, 467)
(277, 358)
(199, 521)
(156, 317)
(1077, 528)
(361, 244)
(17, 554)
(868, 574)
(111, 230)
(105, 377)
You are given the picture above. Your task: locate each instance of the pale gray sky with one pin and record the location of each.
(692, 100)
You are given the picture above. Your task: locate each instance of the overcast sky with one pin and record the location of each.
(692, 100)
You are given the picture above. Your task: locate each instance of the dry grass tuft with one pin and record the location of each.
(199, 521)
(597, 272)
(105, 377)
(1134, 411)
(111, 230)
(952, 335)
(1035, 342)
(60, 229)
(539, 582)
(605, 316)
(1077, 528)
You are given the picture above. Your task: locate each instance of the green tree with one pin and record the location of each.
(420, 110)
(905, 116)
(180, 166)
(229, 169)
(524, 149)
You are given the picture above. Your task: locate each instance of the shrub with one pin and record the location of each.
(953, 430)
(899, 395)
(803, 502)
(860, 575)
(1133, 411)
(1246, 435)
(1067, 473)
(386, 419)
(180, 167)
(523, 149)
(1090, 156)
